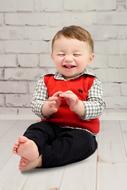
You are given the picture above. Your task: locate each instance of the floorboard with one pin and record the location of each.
(10, 176)
(111, 143)
(46, 179)
(5, 126)
(81, 176)
(112, 176)
(123, 125)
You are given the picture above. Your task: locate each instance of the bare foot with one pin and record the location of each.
(26, 148)
(23, 162)
(26, 165)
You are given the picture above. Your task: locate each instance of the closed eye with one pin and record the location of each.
(76, 54)
(61, 54)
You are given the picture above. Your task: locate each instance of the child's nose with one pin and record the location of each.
(68, 58)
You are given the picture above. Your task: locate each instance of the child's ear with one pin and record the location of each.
(92, 57)
(51, 56)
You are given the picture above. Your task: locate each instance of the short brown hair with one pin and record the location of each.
(75, 32)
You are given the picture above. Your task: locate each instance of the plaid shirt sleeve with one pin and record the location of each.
(95, 105)
(39, 97)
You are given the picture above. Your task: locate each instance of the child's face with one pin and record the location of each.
(71, 56)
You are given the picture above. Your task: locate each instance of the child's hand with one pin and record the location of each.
(73, 102)
(52, 104)
(70, 98)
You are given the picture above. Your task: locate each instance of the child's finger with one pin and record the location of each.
(52, 98)
(52, 103)
(67, 95)
(57, 93)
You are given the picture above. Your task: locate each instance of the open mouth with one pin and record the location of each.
(69, 66)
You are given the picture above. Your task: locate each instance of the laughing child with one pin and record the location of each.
(69, 104)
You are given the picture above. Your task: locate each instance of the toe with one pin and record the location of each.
(23, 139)
(14, 149)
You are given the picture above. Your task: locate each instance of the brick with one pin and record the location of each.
(31, 19)
(6, 111)
(7, 60)
(46, 61)
(26, 46)
(105, 32)
(28, 60)
(36, 33)
(100, 61)
(124, 89)
(120, 32)
(101, 47)
(16, 5)
(2, 47)
(31, 86)
(42, 5)
(102, 5)
(117, 61)
(1, 100)
(100, 32)
(1, 19)
(89, 5)
(23, 73)
(18, 100)
(111, 89)
(111, 18)
(13, 87)
(1, 74)
(116, 102)
(75, 5)
(111, 47)
(112, 75)
(9, 32)
(40, 32)
(76, 18)
(117, 47)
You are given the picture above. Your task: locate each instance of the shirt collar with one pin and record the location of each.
(59, 76)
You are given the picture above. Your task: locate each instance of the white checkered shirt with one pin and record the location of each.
(94, 105)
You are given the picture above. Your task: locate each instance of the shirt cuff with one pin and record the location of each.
(91, 110)
(37, 109)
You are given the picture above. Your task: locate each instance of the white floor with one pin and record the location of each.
(105, 170)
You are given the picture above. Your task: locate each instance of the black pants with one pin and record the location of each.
(59, 145)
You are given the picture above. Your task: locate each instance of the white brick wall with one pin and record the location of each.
(7, 61)
(17, 100)
(85, 5)
(26, 30)
(27, 60)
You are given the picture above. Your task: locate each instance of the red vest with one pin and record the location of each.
(64, 116)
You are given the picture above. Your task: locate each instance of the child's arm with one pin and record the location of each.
(39, 97)
(95, 104)
(42, 105)
(91, 108)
